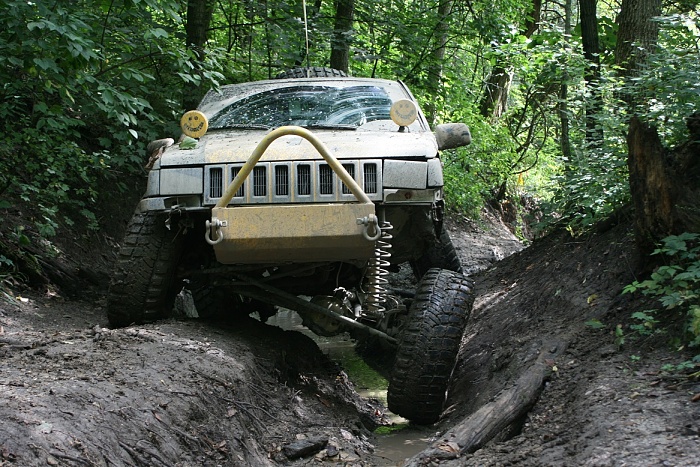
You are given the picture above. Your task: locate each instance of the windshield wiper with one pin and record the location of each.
(332, 126)
(244, 126)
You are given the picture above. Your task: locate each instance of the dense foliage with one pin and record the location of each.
(676, 286)
(87, 84)
(677, 283)
(83, 89)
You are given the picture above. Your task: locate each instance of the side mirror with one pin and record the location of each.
(452, 135)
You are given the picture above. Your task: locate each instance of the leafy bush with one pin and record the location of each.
(590, 189)
(82, 87)
(472, 174)
(593, 182)
(677, 283)
(669, 85)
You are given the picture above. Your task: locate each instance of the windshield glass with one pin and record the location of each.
(308, 106)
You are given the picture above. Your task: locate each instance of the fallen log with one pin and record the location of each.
(493, 418)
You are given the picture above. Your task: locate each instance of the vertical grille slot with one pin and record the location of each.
(260, 181)
(241, 190)
(351, 170)
(216, 182)
(304, 179)
(325, 179)
(281, 180)
(370, 178)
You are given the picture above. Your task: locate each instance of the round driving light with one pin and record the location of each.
(403, 112)
(194, 124)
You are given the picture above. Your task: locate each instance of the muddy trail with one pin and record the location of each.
(534, 385)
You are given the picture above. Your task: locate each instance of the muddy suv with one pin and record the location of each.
(306, 192)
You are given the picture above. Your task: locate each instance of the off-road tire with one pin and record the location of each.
(217, 303)
(212, 302)
(143, 284)
(313, 72)
(441, 254)
(428, 346)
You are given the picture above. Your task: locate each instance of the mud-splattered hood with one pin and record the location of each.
(237, 145)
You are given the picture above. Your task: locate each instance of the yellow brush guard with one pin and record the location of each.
(293, 233)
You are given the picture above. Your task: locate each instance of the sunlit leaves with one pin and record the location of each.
(670, 83)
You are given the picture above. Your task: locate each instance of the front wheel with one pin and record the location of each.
(441, 254)
(428, 346)
(143, 283)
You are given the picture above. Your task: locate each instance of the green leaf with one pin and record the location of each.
(35, 25)
(159, 33)
(594, 324)
(107, 97)
(45, 63)
(188, 143)
(641, 315)
(674, 244)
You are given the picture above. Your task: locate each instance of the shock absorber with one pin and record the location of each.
(377, 272)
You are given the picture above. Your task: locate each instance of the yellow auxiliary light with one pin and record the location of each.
(403, 112)
(194, 124)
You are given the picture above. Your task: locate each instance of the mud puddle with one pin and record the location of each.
(394, 443)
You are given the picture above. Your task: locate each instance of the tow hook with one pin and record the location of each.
(370, 222)
(214, 227)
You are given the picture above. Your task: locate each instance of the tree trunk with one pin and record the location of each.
(199, 13)
(340, 43)
(435, 70)
(564, 139)
(495, 99)
(637, 34)
(650, 186)
(591, 52)
(494, 102)
(636, 38)
(665, 186)
(656, 185)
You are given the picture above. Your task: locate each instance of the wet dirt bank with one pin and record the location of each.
(193, 393)
(601, 398)
(174, 392)
(180, 393)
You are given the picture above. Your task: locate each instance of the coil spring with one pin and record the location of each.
(377, 272)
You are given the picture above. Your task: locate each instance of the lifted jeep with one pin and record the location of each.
(305, 193)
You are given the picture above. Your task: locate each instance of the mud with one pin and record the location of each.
(606, 401)
(170, 393)
(195, 393)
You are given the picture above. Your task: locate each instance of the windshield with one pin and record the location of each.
(308, 106)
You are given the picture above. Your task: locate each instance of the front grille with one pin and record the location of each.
(326, 177)
(304, 179)
(370, 178)
(259, 180)
(216, 178)
(241, 190)
(281, 180)
(351, 170)
(294, 182)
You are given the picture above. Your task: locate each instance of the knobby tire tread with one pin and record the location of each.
(312, 72)
(143, 280)
(428, 346)
(442, 254)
